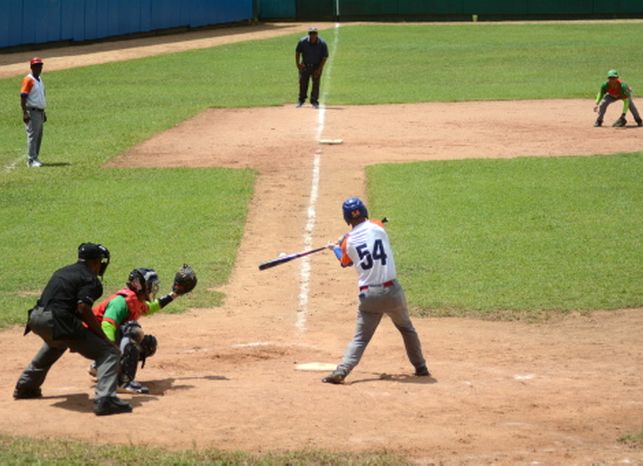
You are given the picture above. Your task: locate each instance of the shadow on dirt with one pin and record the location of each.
(75, 402)
(159, 387)
(81, 402)
(399, 378)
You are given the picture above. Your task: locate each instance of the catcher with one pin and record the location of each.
(119, 315)
(611, 91)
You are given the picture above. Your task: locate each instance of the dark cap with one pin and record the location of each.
(92, 251)
(89, 251)
(35, 61)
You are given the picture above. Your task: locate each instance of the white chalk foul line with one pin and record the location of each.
(304, 271)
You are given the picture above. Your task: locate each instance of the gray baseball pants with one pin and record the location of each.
(90, 346)
(373, 304)
(608, 100)
(34, 129)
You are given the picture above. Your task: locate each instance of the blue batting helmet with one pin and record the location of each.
(353, 208)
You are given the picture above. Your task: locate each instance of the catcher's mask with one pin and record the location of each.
(353, 208)
(144, 282)
(92, 251)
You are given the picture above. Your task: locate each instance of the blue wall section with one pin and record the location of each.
(25, 22)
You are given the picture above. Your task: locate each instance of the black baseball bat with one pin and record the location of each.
(282, 260)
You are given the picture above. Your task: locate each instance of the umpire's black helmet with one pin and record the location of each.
(92, 251)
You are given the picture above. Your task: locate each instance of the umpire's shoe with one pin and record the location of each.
(335, 377)
(107, 405)
(422, 371)
(26, 393)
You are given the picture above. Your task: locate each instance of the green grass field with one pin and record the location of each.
(17, 451)
(526, 234)
(149, 95)
(475, 237)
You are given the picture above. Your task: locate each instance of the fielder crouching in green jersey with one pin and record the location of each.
(119, 315)
(611, 91)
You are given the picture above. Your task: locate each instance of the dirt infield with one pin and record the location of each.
(561, 391)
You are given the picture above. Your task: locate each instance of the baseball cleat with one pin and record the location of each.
(26, 393)
(335, 377)
(598, 124)
(639, 123)
(133, 387)
(422, 371)
(34, 163)
(107, 405)
(300, 104)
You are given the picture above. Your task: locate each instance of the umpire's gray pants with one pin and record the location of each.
(35, 129)
(374, 303)
(608, 100)
(90, 346)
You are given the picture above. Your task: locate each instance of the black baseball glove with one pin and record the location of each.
(185, 280)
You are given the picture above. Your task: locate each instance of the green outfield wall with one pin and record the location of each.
(437, 10)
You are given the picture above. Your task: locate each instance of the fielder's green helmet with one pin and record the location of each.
(612, 74)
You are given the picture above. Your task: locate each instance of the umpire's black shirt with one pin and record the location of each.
(312, 54)
(66, 288)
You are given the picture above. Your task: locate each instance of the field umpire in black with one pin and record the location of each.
(310, 56)
(63, 318)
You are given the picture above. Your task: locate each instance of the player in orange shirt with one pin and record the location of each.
(33, 103)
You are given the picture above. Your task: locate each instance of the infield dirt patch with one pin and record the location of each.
(561, 391)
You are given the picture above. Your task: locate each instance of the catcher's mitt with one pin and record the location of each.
(185, 280)
(620, 122)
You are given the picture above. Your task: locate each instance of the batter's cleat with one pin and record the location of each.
(107, 405)
(336, 377)
(422, 371)
(598, 124)
(26, 393)
(133, 387)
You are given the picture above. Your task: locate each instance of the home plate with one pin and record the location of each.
(331, 141)
(315, 366)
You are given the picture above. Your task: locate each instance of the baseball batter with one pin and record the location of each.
(367, 248)
(611, 91)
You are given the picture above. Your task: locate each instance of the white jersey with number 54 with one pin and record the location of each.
(367, 247)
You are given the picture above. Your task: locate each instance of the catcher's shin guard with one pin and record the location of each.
(129, 360)
(148, 348)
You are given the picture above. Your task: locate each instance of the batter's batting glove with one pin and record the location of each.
(620, 122)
